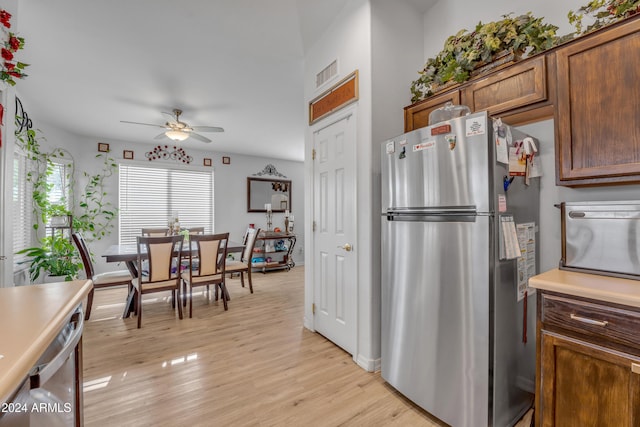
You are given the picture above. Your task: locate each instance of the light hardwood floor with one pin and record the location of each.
(254, 365)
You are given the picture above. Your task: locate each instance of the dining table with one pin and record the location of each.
(128, 253)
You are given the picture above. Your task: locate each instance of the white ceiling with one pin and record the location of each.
(237, 64)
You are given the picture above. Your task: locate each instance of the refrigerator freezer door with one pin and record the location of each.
(428, 168)
(435, 315)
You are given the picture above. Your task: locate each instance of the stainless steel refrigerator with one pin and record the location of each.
(453, 330)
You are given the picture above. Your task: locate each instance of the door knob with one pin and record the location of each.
(347, 247)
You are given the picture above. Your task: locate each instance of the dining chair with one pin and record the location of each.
(210, 253)
(161, 271)
(155, 232)
(102, 280)
(195, 230)
(244, 264)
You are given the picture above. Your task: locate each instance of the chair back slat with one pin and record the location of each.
(195, 230)
(208, 255)
(85, 255)
(161, 253)
(211, 253)
(155, 232)
(252, 235)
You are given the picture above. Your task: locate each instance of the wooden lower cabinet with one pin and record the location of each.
(584, 378)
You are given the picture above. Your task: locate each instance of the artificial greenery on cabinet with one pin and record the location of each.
(511, 38)
(465, 51)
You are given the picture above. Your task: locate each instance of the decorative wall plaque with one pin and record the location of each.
(339, 96)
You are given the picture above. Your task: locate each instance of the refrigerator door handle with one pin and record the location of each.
(440, 210)
(433, 216)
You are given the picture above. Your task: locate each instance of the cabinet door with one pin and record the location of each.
(417, 115)
(586, 385)
(598, 100)
(519, 85)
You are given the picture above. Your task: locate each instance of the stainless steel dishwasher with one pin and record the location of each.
(51, 395)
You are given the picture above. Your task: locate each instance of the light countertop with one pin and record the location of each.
(30, 318)
(594, 286)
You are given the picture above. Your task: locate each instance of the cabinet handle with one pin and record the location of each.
(589, 321)
(635, 368)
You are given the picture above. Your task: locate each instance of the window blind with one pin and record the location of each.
(150, 196)
(58, 185)
(22, 205)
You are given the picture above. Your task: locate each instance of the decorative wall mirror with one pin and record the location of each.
(264, 191)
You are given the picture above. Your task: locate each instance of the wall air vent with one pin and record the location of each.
(327, 73)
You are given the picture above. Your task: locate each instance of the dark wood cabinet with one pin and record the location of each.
(416, 115)
(598, 107)
(588, 370)
(590, 87)
(523, 83)
(520, 93)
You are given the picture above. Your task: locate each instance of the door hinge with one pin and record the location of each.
(313, 308)
(313, 226)
(313, 154)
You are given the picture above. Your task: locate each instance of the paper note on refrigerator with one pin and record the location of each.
(527, 260)
(509, 247)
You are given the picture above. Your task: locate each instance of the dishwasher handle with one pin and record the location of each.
(39, 375)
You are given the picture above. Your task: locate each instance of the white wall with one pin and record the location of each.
(397, 45)
(348, 39)
(230, 184)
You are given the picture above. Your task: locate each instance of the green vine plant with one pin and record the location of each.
(463, 52)
(603, 13)
(41, 167)
(93, 215)
(96, 212)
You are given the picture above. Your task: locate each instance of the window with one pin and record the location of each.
(22, 205)
(58, 184)
(149, 196)
(23, 215)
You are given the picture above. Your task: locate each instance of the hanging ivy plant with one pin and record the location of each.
(463, 52)
(93, 215)
(603, 13)
(96, 212)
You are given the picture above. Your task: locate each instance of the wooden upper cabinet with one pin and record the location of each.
(521, 84)
(417, 115)
(597, 117)
(518, 93)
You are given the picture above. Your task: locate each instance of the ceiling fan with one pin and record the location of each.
(179, 131)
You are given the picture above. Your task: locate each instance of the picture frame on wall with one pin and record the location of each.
(103, 147)
(127, 154)
(207, 162)
(226, 160)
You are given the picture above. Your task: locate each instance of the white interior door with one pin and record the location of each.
(335, 260)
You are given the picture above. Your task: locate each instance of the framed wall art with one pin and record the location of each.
(226, 160)
(127, 154)
(103, 147)
(207, 162)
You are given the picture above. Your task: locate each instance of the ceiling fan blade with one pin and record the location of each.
(199, 137)
(144, 124)
(170, 117)
(161, 136)
(207, 128)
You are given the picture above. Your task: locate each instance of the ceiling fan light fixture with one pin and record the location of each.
(176, 135)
